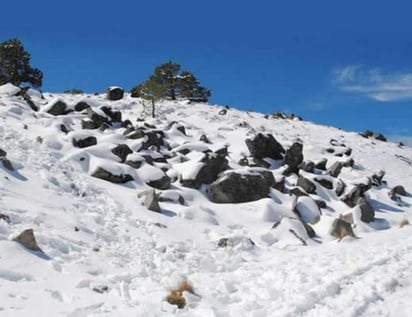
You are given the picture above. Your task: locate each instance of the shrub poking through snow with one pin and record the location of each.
(176, 297)
(341, 229)
(403, 223)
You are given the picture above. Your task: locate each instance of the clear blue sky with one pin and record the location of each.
(342, 63)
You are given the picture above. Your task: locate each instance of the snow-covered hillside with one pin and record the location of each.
(246, 223)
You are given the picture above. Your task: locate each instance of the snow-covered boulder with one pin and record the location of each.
(307, 209)
(114, 93)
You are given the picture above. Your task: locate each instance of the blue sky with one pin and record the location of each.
(346, 64)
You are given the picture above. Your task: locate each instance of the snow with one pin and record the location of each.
(107, 255)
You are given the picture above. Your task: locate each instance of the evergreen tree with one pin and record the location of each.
(15, 65)
(168, 82)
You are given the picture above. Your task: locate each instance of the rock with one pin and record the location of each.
(122, 151)
(308, 166)
(64, 129)
(100, 289)
(353, 196)
(28, 240)
(135, 134)
(6, 164)
(296, 191)
(161, 183)
(373, 135)
(321, 204)
(309, 230)
(115, 116)
(222, 112)
(293, 158)
(341, 229)
(213, 166)
(3, 152)
(204, 138)
(335, 169)
(5, 218)
(244, 161)
(330, 150)
(280, 185)
(398, 190)
(81, 105)
(126, 124)
(306, 184)
(340, 188)
(59, 108)
(238, 187)
(86, 142)
(307, 210)
(154, 137)
(321, 165)
(348, 152)
(377, 179)
(151, 200)
(324, 182)
(367, 211)
(262, 146)
(94, 120)
(349, 163)
(114, 93)
(108, 176)
(236, 241)
(260, 163)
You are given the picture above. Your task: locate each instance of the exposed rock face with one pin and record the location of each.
(86, 142)
(294, 157)
(321, 165)
(28, 240)
(335, 169)
(114, 93)
(237, 187)
(367, 211)
(324, 182)
(151, 200)
(122, 151)
(308, 166)
(59, 108)
(398, 190)
(213, 165)
(306, 184)
(262, 146)
(161, 183)
(353, 196)
(108, 176)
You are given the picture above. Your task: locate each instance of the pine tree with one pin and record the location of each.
(15, 65)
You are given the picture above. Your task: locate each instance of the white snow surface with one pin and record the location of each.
(97, 235)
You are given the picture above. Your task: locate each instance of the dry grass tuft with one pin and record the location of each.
(404, 223)
(175, 296)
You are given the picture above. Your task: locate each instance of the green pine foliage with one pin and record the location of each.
(15, 65)
(168, 82)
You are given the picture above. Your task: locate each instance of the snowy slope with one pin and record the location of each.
(105, 254)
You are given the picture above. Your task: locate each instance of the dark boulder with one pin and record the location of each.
(204, 138)
(280, 185)
(122, 151)
(81, 105)
(213, 166)
(335, 169)
(235, 187)
(377, 179)
(86, 142)
(321, 165)
(293, 158)
(296, 191)
(399, 190)
(306, 185)
(108, 176)
(324, 182)
(357, 192)
(262, 146)
(59, 108)
(114, 93)
(6, 164)
(161, 183)
(222, 112)
(367, 211)
(2, 152)
(307, 166)
(340, 188)
(114, 116)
